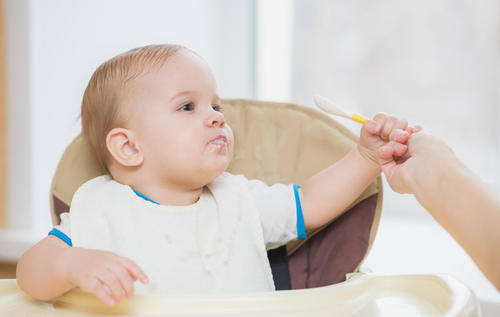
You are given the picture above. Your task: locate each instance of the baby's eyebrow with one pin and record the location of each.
(187, 92)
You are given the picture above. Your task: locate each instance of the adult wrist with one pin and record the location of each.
(433, 177)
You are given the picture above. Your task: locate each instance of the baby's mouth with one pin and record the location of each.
(220, 140)
(218, 145)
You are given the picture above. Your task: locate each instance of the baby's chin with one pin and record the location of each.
(215, 168)
(221, 166)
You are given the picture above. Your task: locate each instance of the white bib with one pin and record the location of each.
(214, 245)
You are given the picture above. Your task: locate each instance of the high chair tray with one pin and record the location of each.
(361, 295)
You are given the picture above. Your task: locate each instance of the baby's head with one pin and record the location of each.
(152, 114)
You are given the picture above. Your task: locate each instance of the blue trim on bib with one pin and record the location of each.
(61, 235)
(144, 197)
(301, 228)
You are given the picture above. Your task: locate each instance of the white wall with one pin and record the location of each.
(19, 115)
(55, 45)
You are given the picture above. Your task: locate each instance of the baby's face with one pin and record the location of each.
(176, 116)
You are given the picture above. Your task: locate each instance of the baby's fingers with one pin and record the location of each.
(135, 271)
(100, 291)
(111, 281)
(392, 123)
(386, 153)
(126, 281)
(391, 150)
(383, 124)
(399, 136)
(372, 127)
(399, 149)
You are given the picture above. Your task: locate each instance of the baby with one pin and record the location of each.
(169, 215)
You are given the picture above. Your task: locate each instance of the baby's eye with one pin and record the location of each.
(187, 107)
(217, 108)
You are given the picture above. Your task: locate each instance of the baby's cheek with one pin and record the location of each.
(228, 130)
(230, 137)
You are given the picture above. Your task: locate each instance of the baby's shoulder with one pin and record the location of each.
(228, 179)
(98, 188)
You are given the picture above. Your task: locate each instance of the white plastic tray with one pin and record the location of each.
(361, 295)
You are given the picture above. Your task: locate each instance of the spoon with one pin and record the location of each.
(328, 106)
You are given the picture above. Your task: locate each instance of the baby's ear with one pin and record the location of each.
(123, 146)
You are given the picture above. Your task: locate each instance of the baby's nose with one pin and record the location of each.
(216, 118)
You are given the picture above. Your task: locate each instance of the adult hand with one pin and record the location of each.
(425, 155)
(466, 207)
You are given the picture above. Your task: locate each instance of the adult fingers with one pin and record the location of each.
(417, 128)
(414, 129)
(392, 174)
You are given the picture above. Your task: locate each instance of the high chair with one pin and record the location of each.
(279, 143)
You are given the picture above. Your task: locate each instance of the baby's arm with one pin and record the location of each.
(325, 195)
(51, 268)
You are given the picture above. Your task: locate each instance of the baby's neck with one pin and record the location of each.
(163, 190)
(169, 196)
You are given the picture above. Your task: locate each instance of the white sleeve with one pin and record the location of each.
(64, 226)
(277, 210)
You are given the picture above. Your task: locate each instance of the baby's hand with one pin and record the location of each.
(104, 273)
(384, 138)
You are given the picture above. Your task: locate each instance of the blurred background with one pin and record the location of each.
(436, 63)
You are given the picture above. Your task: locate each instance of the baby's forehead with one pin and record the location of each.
(181, 72)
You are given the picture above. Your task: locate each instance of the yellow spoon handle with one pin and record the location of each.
(358, 118)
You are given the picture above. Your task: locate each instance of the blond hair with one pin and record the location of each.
(102, 97)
